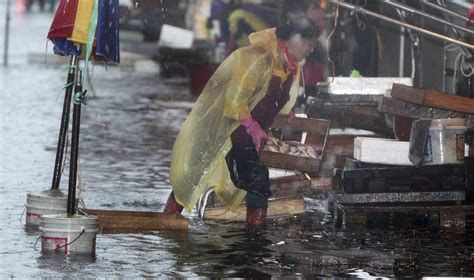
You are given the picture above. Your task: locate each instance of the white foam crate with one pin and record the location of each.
(381, 150)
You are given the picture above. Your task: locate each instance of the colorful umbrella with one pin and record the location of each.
(85, 28)
(107, 43)
(93, 24)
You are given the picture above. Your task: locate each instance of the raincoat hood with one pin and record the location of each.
(267, 39)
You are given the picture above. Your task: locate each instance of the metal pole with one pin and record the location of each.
(358, 9)
(415, 11)
(7, 34)
(401, 59)
(64, 123)
(444, 10)
(76, 123)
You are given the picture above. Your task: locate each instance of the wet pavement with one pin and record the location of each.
(125, 146)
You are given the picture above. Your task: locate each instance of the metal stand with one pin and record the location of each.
(76, 122)
(7, 33)
(64, 123)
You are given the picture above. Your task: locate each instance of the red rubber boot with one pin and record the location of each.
(256, 217)
(172, 206)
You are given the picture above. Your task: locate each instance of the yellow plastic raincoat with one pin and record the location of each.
(252, 20)
(240, 82)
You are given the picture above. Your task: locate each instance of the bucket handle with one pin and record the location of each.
(22, 214)
(79, 236)
(83, 230)
(36, 242)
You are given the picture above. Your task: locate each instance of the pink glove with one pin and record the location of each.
(291, 117)
(255, 131)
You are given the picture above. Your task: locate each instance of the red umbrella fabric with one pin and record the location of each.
(63, 22)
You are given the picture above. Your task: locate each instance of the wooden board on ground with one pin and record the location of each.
(285, 187)
(433, 99)
(133, 221)
(175, 104)
(276, 209)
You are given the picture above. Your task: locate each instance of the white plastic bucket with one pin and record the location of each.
(68, 235)
(445, 143)
(44, 203)
(34, 213)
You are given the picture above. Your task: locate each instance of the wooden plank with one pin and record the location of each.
(291, 162)
(276, 208)
(129, 221)
(433, 99)
(172, 104)
(313, 126)
(408, 93)
(450, 102)
(402, 108)
(286, 187)
(121, 213)
(405, 171)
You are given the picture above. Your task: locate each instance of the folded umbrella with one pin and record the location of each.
(87, 25)
(107, 35)
(82, 23)
(63, 21)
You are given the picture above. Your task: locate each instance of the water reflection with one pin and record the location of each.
(57, 263)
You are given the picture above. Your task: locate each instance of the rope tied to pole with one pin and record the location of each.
(66, 86)
(80, 97)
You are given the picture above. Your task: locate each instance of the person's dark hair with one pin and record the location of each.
(298, 25)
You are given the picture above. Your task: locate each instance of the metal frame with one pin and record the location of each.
(359, 9)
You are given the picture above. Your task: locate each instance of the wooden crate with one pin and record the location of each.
(317, 132)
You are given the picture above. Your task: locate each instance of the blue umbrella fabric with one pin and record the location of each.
(107, 44)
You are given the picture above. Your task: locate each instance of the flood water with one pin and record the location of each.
(125, 146)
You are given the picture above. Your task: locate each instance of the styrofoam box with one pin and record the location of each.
(381, 150)
(175, 37)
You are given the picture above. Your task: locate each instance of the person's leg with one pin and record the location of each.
(52, 5)
(257, 196)
(41, 4)
(28, 4)
(172, 206)
(248, 174)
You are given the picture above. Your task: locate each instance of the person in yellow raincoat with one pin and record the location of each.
(219, 142)
(241, 24)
